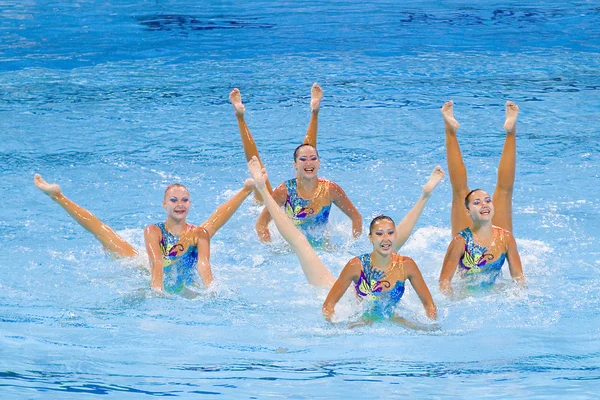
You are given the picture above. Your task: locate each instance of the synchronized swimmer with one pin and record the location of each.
(306, 198)
(482, 234)
(179, 253)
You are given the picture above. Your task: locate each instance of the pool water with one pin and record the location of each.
(116, 101)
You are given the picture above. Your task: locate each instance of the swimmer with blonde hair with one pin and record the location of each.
(306, 198)
(481, 225)
(178, 251)
(378, 276)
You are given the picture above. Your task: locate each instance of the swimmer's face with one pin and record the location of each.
(480, 206)
(307, 162)
(382, 235)
(177, 202)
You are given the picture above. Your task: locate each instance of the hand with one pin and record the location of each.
(263, 233)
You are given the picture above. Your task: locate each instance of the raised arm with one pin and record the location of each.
(408, 223)
(514, 262)
(456, 248)
(350, 273)
(203, 244)
(413, 274)
(262, 224)
(152, 236)
(226, 210)
(340, 199)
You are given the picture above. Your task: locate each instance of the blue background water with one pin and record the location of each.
(115, 100)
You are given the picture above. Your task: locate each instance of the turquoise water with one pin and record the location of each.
(115, 101)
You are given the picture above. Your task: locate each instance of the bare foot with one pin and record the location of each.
(51, 189)
(258, 174)
(236, 99)
(316, 94)
(512, 111)
(448, 113)
(434, 179)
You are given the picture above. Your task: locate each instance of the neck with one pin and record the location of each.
(175, 227)
(307, 183)
(482, 227)
(380, 261)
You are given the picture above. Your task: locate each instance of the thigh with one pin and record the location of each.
(502, 200)
(459, 217)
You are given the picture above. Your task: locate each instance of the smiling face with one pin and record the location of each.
(382, 234)
(307, 162)
(480, 206)
(177, 202)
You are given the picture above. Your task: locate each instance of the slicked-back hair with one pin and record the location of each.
(469, 195)
(175, 185)
(301, 146)
(379, 218)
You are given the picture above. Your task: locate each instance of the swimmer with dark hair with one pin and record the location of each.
(306, 198)
(481, 225)
(379, 276)
(179, 252)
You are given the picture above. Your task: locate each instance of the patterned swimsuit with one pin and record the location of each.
(477, 264)
(371, 284)
(179, 267)
(301, 211)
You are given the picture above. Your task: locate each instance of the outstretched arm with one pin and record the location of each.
(262, 224)
(413, 274)
(152, 236)
(227, 209)
(514, 262)
(340, 199)
(316, 273)
(350, 273)
(408, 223)
(203, 243)
(453, 255)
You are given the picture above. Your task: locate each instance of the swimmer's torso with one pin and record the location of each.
(479, 264)
(180, 257)
(383, 289)
(310, 215)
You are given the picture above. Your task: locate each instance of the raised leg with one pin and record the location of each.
(502, 197)
(250, 149)
(109, 238)
(227, 209)
(316, 94)
(316, 272)
(456, 171)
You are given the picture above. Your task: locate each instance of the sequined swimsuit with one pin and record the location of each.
(179, 267)
(301, 211)
(371, 284)
(477, 264)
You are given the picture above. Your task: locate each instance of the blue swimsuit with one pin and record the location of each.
(179, 268)
(301, 212)
(371, 283)
(478, 265)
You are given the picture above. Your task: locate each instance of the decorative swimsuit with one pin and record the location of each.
(312, 222)
(477, 263)
(372, 283)
(179, 266)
